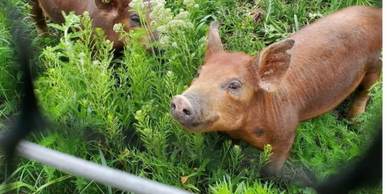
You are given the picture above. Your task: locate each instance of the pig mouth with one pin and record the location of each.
(201, 126)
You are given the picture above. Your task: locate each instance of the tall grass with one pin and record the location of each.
(115, 110)
(8, 75)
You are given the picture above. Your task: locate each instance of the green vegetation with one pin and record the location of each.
(115, 110)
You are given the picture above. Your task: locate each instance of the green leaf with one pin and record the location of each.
(15, 185)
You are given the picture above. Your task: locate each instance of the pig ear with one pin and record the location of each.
(214, 41)
(272, 64)
(106, 5)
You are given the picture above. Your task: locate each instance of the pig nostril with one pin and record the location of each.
(173, 106)
(187, 112)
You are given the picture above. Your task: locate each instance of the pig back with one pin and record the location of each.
(330, 57)
(54, 8)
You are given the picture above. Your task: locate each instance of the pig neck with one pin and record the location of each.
(272, 109)
(269, 114)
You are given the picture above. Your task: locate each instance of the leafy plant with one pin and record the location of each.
(114, 110)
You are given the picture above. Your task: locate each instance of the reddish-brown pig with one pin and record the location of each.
(261, 99)
(105, 14)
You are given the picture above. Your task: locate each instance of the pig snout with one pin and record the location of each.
(182, 110)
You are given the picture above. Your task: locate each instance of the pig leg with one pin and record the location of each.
(361, 96)
(280, 152)
(39, 18)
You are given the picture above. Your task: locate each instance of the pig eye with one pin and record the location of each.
(136, 19)
(234, 85)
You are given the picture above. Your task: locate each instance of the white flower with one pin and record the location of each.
(158, 2)
(137, 4)
(183, 15)
(161, 14)
(196, 6)
(161, 29)
(164, 40)
(178, 25)
(145, 4)
(85, 14)
(189, 3)
(169, 26)
(117, 27)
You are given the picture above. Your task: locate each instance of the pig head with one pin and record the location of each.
(261, 99)
(105, 14)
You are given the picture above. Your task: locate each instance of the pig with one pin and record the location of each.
(105, 14)
(261, 99)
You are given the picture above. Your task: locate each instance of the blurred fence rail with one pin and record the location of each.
(92, 171)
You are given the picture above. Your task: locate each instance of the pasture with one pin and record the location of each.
(114, 108)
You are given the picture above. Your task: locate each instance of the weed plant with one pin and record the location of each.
(115, 110)
(8, 73)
